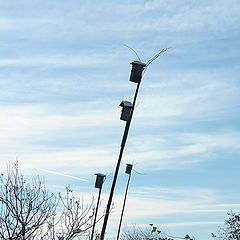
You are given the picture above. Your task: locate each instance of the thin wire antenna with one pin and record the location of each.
(108, 175)
(133, 51)
(134, 164)
(139, 172)
(156, 56)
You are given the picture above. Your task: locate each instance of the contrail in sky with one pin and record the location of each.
(64, 175)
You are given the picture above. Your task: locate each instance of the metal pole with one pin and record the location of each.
(118, 165)
(124, 202)
(94, 222)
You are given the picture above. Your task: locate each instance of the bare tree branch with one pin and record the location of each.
(25, 208)
(29, 211)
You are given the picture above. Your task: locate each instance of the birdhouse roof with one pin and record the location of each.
(138, 63)
(126, 104)
(100, 174)
(128, 164)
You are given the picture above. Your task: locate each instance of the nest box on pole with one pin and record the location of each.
(99, 180)
(136, 73)
(128, 168)
(126, 110)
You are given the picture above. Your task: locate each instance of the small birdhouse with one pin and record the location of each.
(128, 168)
(126, 110)
(136, 73)
(99, 180)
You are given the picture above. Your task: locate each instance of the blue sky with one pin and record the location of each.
(64, 71)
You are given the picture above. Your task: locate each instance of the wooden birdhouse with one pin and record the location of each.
(128, 168)
(136, 73)
(99, 180)
(126, 110)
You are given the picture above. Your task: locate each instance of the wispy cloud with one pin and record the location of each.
(184, 224)
(184, 201)
(178, 150)
(206, 97)
(59, 61)
(84, 160)
(17, 121)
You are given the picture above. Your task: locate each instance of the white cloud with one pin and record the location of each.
(189, 15)
(11, 24)
(152, 204)
(173, 201)
(178, 150)
(29, 120)
(182, 224)
(175, 17)
(129, 18)
(86, 160)
(21, 125)
(198, 96)
(58, 60)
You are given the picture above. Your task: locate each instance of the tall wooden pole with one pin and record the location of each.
(124, 139)
(124, 203)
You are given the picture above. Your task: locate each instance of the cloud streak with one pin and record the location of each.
(59, 61)
(62, 174)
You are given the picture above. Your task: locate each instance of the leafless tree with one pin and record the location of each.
(152, 233)
(24, 208)
(29, 211)
(75, 217)
(135, 233)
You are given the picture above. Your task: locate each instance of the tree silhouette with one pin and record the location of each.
(29, 211)
(232, 228)
(152, 233)
(24, 208)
